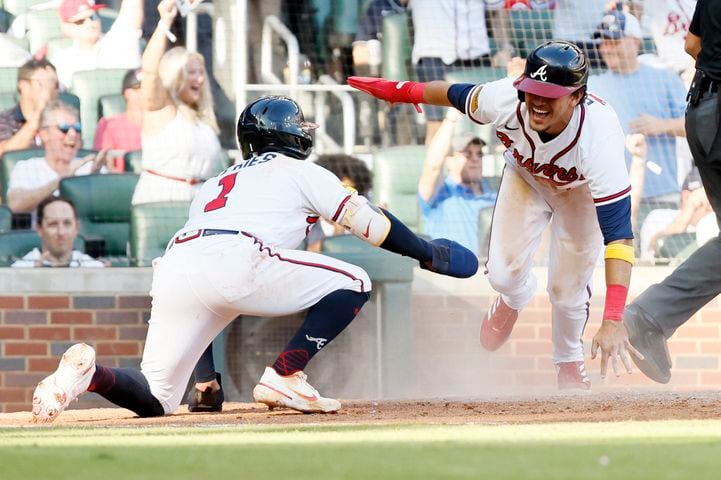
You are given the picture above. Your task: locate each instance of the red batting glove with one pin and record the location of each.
(390, 91)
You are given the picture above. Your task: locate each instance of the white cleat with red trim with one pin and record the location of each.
(73, 376)
(292, 391)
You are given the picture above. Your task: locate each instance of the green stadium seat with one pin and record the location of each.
(396, 171)
(9, 159)
(6, 218)
(15, 244)
(647, 46)
(344, 243)
(6, 18)
(8, 79)
(530, 28)
(111, 105)
(396, 47)
(151, 227)
(485, 216)
(103, 205)
(677, 245)
(90, 85)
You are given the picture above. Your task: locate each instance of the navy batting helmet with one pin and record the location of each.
(274, 124)
(553, 69)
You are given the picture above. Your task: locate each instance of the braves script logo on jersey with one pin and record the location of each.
(543, 172)
(541, 73)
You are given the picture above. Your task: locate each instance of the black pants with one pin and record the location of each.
(697, 281)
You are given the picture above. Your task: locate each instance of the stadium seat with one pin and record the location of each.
(396, 171)
(344, 243)
(676, 247)
(103, 205)
(111, 105)
(15, 244)
(90, 85)
(396, 47)
(530, 28)
(6, 18)
(18, 7)
(9, 159)
(6, 218)
(647, 46)
(151, 227)
(485, 216)
(8, 79)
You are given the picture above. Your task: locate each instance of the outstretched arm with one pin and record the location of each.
(431, 93)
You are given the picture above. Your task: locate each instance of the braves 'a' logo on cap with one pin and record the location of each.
(541, 72)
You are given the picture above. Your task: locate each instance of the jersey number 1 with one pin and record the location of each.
(226, 183)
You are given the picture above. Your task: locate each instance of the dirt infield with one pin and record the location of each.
(579, 407)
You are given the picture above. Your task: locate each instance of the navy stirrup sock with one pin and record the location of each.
(403, 241)
(127, 388)
(205, 368)
(325, 320)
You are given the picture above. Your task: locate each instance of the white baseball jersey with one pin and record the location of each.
(668, 21)
(559, 184)
(274, 197)
(590, 150)
(235, 256)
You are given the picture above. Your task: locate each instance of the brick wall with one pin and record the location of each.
(36, 329)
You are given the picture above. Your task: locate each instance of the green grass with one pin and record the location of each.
(577, 451)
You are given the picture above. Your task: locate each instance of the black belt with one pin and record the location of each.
(203, 232)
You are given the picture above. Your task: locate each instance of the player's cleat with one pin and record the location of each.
(572, 376)
(497, 324)
(452, 259)
(292, 391)
(73, 376)
(207, 400)
(650, 342)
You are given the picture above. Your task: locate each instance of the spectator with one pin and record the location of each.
(649, 101)
(179, 134)
(121, 133)
(354, 174)
(37, 85)
(451, 35)
(575, 21)
(451, 200)
(366, 45)
(662, 222)
(35, 179)
(90, 49)
(58, 228)
(668, 22)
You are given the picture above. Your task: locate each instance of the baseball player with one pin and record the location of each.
(564, 167)
(236, 256)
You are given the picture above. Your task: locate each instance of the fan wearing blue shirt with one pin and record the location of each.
(648, 101)
(452, 190)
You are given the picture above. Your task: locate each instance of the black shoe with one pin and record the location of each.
(208, 400)
(650, 342)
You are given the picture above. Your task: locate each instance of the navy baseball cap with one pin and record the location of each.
(618, 24)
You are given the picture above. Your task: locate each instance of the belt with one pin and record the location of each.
(202, 232)
(189, 181)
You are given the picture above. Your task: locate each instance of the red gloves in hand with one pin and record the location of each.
(390, 91)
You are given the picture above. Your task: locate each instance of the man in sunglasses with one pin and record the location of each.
(37, 84)
(34, 179)
(90, 49)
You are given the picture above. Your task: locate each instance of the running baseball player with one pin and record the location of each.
(236, 256)
(564, 166)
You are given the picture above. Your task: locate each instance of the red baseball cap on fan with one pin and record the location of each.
(70, 8)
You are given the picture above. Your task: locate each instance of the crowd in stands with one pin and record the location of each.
(168, 95)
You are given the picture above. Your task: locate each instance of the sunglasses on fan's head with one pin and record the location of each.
(92, 18)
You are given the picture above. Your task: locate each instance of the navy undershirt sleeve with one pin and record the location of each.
(615, 220)
(458, 93)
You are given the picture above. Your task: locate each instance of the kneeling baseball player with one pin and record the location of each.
(236, 256)
(564, 166)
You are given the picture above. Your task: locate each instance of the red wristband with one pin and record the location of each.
(615, 302)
